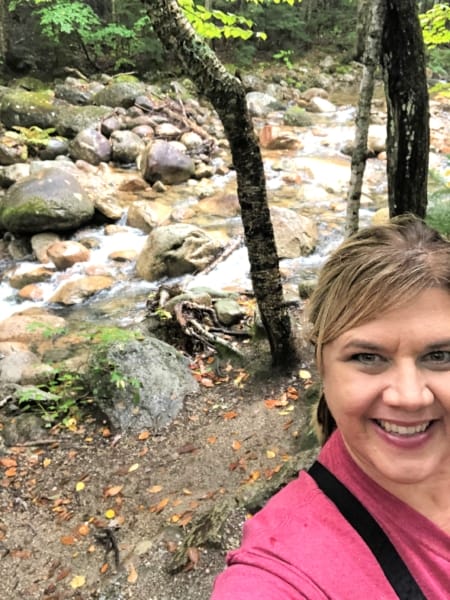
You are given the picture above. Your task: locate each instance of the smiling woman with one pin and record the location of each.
(372, 517)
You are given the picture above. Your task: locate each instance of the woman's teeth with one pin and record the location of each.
(402, 429)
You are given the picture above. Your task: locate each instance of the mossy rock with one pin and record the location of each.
(297, 117)
(19, 107)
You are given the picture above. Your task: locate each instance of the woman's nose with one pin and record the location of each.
(408, 389)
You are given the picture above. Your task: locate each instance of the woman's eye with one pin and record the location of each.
(366, 358)
(440, 357)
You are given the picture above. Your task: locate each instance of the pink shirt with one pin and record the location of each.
(300, 547)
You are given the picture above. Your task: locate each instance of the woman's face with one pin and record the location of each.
(387, 384)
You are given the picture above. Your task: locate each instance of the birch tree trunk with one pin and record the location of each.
(403, 60)
(359, 155)
(227, 95)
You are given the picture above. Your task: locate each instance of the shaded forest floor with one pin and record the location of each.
(92, 514)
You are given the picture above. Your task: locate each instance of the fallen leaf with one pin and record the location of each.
(104, 568)
(68, 540)
(46, 462)
(304, 374)
(23, 554)
(83, 529)
(132, 573)
(205, 382)
(112, 491)
(80, 486)
(292, 393)
(155, 489)
(187, 492)
(231, 414)
(8, 462)
(157, 508)
(236, 445)
(270, 454)
(110, 513)
(77, 581)
(11, 472)
(212, 439)
(134, 467)
(144, 435)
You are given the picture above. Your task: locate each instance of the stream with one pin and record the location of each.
(311, 180)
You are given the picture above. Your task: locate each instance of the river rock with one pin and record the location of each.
(30, 326)
(77, 91)
(19, 107)
(91, 146)
(165, 161)
(23, 367)
(12, 148)
(320, 105)
(146, 215)
(65, 254)
(20, 277)
(70, 120)
(77, 290)
(174, 250)
(12, 173)
(295, 234)
(40, 242)
(161, 381)
(126, 146)
(50, 200)
(228, 311)
(121, 93)
(276, 138)
(260, 104)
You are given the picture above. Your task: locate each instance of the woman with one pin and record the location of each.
(381, 328)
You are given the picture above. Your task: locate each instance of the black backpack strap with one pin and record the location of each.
(362, 521)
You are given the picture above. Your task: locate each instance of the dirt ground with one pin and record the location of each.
(92, 514)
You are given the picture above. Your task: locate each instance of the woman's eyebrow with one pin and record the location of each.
(362, 344)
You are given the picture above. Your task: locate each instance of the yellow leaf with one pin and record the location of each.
(77, 581)
(304, 374)
(110, 514)
(80, 486)
(46, 462)
(134, 467)
(155, 489)
(270, 454)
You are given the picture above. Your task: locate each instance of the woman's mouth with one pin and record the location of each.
(403, 430)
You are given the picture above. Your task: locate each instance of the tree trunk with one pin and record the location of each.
(3, 32)
(227, 95)
(362, 28)
(403, 60)
(359, 154)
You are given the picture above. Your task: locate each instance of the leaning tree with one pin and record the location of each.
(227, 95)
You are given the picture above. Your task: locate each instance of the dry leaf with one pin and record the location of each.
(270, 454)
(8, 462)
(104, 568)
(155, 489)
(132, 573)
(83, 529)
(112, 491)
(231, 414)
(144, 435)
(304, 374)
(212, 439)
(236, 445)
(110, 513)
(80, 486)
(134, 467)
(157, 508)
(68, 540)
(11, 472)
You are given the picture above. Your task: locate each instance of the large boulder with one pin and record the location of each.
(126, 146)
(19, 107)
(295, 234)
(174, 250)
(120, 93)
(70, 120)
(166, 161)
(49, 200)
(156, 380)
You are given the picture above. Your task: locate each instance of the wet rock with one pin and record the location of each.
(221, 205)
(296, 116)
(168, 131)
(77, 91)
(74, 292)
(91, 146)
(295, 234)
(54, 147)
(18, 278)
(126, 146)
(320, 105)
(174, 250)
(31, 292)
(275, 138)
(50, 200)
(112, 123)
(165, 161)
(260, 104)
(151, 397)
(23, 367)
(146, 215)
(65, 254)
(311, 93)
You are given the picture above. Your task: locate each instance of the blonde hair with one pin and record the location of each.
(376, 269)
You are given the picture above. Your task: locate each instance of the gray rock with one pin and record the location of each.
(91, 146)
(70, 120)
(157, 380)
(228, 311)
(119, 94)
(165, 161)
(126, 146)
(174, 250)
(295, 234)
(50, 200)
